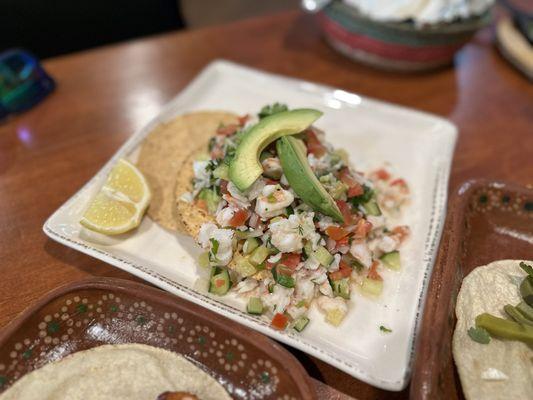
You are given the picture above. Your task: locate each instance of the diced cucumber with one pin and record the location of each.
(372, 286)
(203, 259)
(282, 279)
(219, 283)
(338, 190)
(254, 306)
(222, 171)
(211, 199)
(244, 267)
(391, 260)
(323, 256)
(300, 324)
(371, 208)
(259, 255)
(341, 288)
(250, 245)
(308, 249)
(525, 310)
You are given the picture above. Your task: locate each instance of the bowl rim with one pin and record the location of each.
(158, 296)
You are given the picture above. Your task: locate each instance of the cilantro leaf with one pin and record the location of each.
(269, 110)
(214, 245)
(527, 268)
(479, 335)
(364, 198)
(384, 329)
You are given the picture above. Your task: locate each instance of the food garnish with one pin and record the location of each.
(384, 329)
(120, 204)
(285, 220)
(479, 334)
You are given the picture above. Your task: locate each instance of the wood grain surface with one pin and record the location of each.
(106, 94)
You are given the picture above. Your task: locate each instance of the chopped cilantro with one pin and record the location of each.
(300, 230)
(364, 198)
(479, 335)
(527, 268)
(269, 110)
(214, 245)
(384, 329)
(290, 210)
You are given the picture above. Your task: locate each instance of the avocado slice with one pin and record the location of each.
(245, 167)
(293, 156)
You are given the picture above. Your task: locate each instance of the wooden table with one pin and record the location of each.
(104, 95)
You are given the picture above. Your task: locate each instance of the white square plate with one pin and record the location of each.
(418, 145)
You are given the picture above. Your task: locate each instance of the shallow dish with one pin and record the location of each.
(395, 45)
(488, 221)
(419, 146)
(114, 311)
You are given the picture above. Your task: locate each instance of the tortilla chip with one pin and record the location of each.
(164, 151)
(501, 369)
(190, 216)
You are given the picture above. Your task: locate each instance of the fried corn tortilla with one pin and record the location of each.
(190, 216)
(164, 151)
(501, 369)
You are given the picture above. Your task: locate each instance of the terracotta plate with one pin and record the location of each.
(488, 221)
(111, 311)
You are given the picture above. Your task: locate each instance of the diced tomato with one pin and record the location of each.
(354, 188)
(373, 272)
(336, 232)
(269, 265)
(239, 218)
(201, 203)
(344, 271)
(223, 186)
(290, 260)
(279, 321)
(401, 232)
(313, 144)
(219, 282)
(398, 182)
(242, 120)
(362, 229)
(346, 211)
(345, 241)
(227, 130)
(382, 174)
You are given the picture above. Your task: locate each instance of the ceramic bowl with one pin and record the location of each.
(395, 45)
(102, 311)
(488, 221)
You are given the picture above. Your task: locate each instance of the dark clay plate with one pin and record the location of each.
(112, 311)
(488, 221)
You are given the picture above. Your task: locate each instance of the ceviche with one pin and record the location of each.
(292, 222)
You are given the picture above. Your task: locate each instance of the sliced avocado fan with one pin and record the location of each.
(245, 167)
(293, 156)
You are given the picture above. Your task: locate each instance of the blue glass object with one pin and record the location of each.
(23, 82)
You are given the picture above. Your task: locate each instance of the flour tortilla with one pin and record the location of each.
(488, 289)
(163, 152)
(118, 372)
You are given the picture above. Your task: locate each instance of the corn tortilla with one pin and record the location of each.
(488, 289)
(190, 216)
(164, 151)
